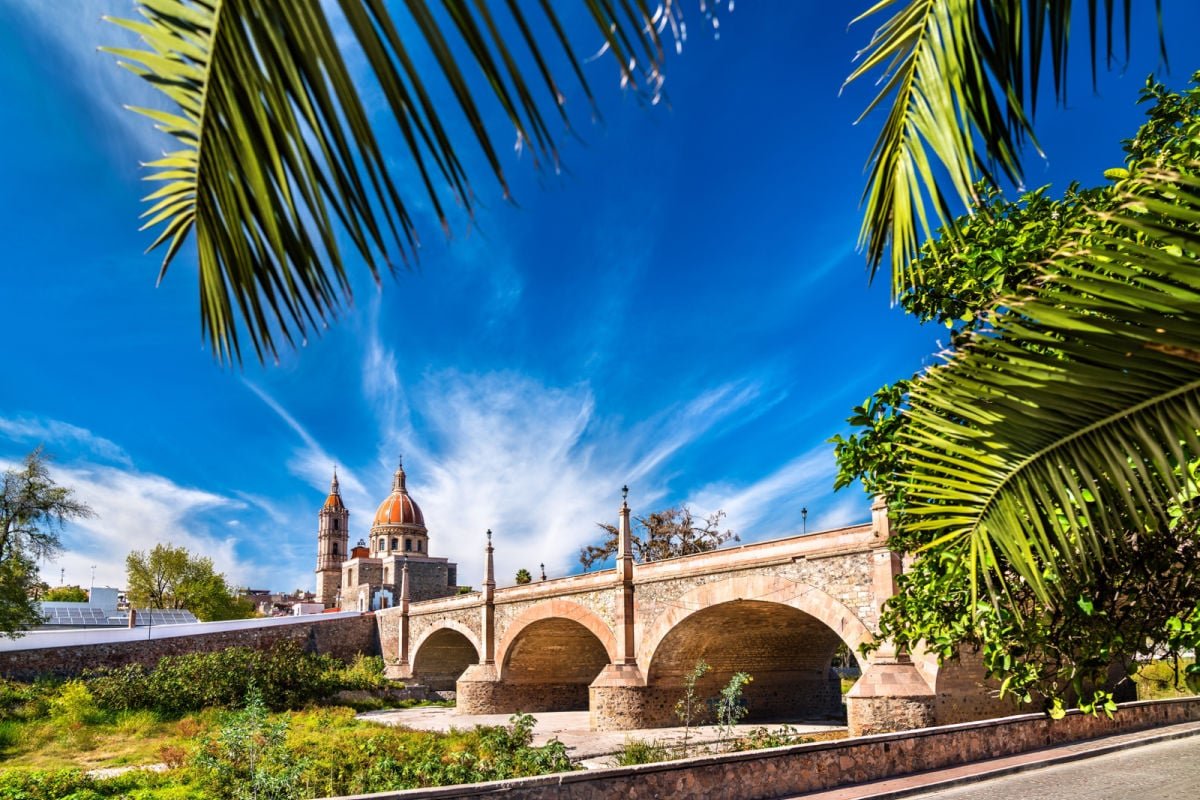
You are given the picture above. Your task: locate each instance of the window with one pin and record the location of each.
(395, 544)
(408, 545)
(335, 552)
(418, 545)
(335, 524)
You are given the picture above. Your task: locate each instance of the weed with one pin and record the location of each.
(688, 706)
(641, 751)
(731, 707)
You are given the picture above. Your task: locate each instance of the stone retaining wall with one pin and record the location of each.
(764, 774)
(341, 637)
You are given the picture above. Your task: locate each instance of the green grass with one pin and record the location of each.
(52, 735)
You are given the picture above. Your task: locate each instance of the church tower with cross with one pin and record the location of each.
(371, 575)
(333, 538)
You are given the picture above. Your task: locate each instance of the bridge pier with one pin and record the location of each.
(619, 699)
(890, 696)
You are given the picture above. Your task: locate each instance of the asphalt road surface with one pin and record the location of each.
(1163, 771)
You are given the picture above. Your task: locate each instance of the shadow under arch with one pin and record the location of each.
(783, 633)
(443, 653)
(552, 652)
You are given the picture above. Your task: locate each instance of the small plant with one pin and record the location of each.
(762, 738)
(731, 707)
(641, 751)
(248, 758)
(172, 755)
(689, 706)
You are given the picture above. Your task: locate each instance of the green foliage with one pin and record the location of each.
(641, 751)
(364, 672)
(74, 784)
(689, 707)
(523, 577)
(952, 82)
(171, 577)
(33, 509)
(1062, 432)
(763, 738)
(66, 594)
(664, 534)
(730, 707)
(277, 155)
(285, 676)
(248, 757)
(346, 756)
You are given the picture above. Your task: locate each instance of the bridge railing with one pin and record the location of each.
(849, 539)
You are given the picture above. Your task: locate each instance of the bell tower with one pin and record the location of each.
(333, 537)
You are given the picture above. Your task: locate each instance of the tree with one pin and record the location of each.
(171, 577)
(66, 594)
(1063, 478)
(33, 511)
(523, 577)
(665, 534)
(275, 145)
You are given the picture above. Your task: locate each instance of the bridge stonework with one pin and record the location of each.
(621, 642)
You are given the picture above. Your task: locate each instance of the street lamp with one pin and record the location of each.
(804, 519)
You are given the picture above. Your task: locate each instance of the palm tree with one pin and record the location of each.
(277, 156)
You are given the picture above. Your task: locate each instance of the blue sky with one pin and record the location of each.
(682, 309)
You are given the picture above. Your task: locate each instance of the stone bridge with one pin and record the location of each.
(620, 642)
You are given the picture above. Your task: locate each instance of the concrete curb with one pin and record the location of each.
(1188, 729)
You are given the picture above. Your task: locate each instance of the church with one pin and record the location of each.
(370, 575)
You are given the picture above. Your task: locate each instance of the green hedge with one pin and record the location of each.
(285, 676)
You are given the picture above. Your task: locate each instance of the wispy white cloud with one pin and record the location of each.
(772, 505)
(39, 431)
(136, 511)
(75, 30)
(311, 461)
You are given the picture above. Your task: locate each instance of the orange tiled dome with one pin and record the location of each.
(398, 508)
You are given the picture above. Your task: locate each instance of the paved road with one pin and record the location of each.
(1162, 771)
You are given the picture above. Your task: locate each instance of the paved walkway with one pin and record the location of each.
(589, 748)
(1130, 778)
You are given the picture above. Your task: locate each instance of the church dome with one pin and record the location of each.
(398, 508)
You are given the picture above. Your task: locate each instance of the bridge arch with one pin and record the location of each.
(783, 632)
(443, 652)
(554, 650)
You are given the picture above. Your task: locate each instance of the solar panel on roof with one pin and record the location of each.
(84, 617)
(164, 616)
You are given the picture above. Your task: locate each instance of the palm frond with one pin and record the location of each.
(957, 73)
(277, 156)
(1066, 431)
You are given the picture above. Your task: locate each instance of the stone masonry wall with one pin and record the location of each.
(462, 610)
(342, 638)
(846, 578)
(821, 766)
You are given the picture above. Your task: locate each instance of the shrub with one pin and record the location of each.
(173, 756)
(248, 757)
(762, 738)
(19, 784)
(10, 734)
(286, 677)
(641, 751)
(364, 673)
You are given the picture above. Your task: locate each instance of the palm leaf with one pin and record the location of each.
(957, 73)
(276, 155)
(1064, 433)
